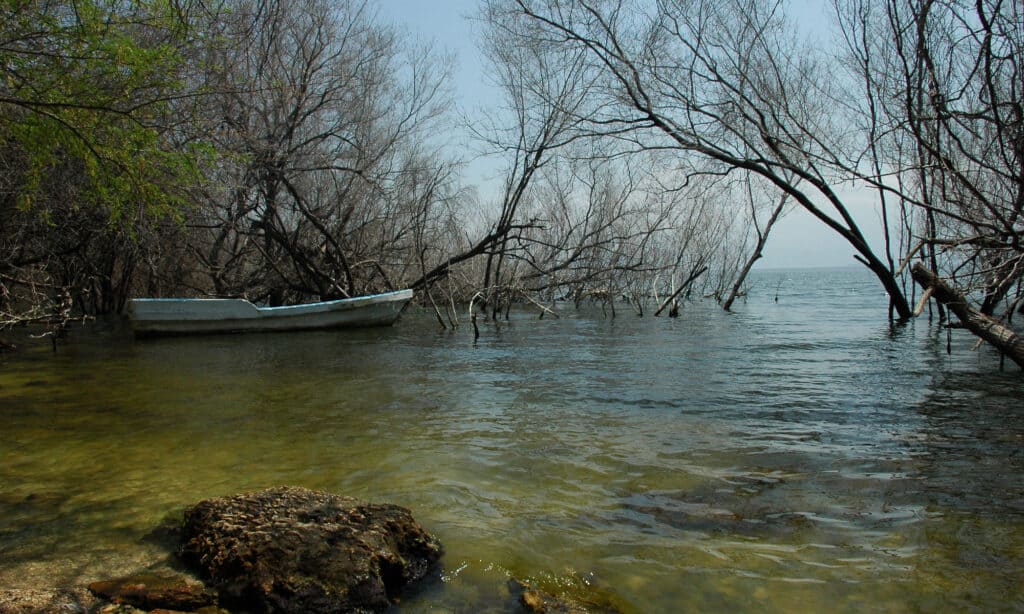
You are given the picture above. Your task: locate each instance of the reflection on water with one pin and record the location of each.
(797, 455)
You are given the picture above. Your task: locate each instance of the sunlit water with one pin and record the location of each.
(797, 455)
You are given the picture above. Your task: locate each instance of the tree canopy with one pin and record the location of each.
(86, 91)
(302, 150)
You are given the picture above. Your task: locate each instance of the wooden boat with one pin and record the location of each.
(181, 316)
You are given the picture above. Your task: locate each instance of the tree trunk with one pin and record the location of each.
(762, 239)
(686, 284)
(1002, 337)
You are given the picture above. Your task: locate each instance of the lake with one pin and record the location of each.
(798, 455)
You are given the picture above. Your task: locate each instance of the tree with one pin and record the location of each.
(725, 87)
(327, 171)
(944, 87)
(542, 87)
(576, 217)
(761, 234)
(85, 146)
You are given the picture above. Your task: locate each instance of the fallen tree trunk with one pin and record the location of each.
(1002, 337)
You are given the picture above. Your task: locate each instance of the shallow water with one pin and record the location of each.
(798, 455)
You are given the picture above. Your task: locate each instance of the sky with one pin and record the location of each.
(798, 240)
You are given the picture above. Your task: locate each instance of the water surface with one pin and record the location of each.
(793, 455)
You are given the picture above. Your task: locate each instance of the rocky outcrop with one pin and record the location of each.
(298, 550)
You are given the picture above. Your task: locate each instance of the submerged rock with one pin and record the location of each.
(17, 601)
(536, 602)
(297, 550)
(533, 600)
(151, 591)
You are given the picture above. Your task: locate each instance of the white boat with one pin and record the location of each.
(179, 316)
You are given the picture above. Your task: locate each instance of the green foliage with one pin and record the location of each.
(87, 90)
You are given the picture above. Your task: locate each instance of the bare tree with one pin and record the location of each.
(726, 83)
(575, 218)
(943, 88)
(323, 119)
(596, 225)
(543, 88)
(761, 233)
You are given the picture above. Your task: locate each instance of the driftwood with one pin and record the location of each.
(1000, 336)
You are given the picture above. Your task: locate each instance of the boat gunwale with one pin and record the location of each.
(355, 301)
(249, 316)
(284, 310)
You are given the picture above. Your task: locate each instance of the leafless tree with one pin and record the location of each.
(323, 121)
(943, 90)
(761, 230)
(725, 86)
(576, 219)
(596, 229)
(542, 87)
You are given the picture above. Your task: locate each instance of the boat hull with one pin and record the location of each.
(204, 316)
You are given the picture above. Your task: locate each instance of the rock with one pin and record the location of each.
(297, 550)
(151, 591)
(15, 601)
(206, 610)
(118, 608)
(535, 601)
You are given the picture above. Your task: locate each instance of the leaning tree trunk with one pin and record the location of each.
(1002, 337)
(686, 284)
(762, 239)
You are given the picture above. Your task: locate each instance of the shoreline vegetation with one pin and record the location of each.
(289, 152)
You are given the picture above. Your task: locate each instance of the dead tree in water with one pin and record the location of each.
(943, 96)
(682, 288)
(724, 85)
(327, 184)
(762, 234)
(999, 335)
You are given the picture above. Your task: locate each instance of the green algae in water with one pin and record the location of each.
(746, 462)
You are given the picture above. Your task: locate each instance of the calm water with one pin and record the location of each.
(792, 456)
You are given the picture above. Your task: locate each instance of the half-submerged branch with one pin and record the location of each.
(686, 284)
(1002, 337)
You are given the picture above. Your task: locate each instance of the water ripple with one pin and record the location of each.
(791, 456)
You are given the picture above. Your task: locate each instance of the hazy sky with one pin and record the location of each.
(797, 241)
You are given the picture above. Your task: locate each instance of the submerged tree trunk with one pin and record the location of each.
(1002, 337)
(686, 284)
